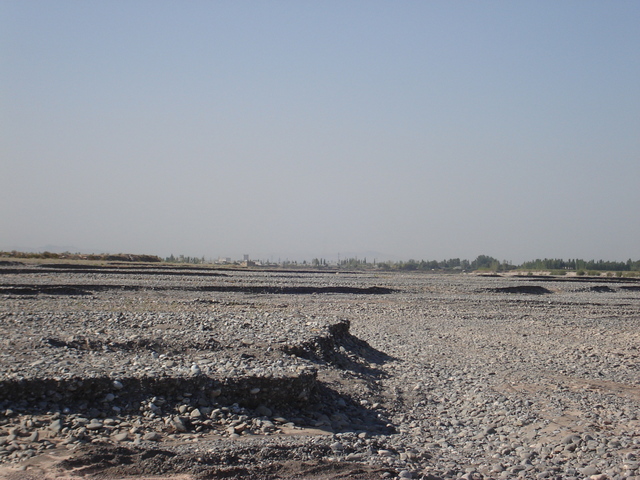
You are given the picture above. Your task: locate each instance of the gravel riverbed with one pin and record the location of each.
(130, 371)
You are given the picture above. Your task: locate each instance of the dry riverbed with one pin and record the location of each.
(140, 371)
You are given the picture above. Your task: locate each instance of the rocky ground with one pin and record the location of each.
(140, 371)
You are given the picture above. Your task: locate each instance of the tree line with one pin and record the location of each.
(481, 262)
(579, 264)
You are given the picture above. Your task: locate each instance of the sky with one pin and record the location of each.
(289, 129)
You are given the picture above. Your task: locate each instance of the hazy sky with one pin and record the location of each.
(419, 129)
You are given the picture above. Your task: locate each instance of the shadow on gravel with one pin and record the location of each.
(267, 289)
(342, 413)
(526, 289)
(301, 400)
(99, 393)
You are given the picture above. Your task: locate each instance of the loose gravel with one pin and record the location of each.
(270, 374)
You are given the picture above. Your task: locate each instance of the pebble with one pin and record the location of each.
(152, 436)
(94, 425)
(178, 424)
(56, 426)
(385, 453)
(121, 437)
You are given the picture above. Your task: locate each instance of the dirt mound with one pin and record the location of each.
(601, 289)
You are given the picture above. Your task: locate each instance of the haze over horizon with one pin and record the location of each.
(424, 130)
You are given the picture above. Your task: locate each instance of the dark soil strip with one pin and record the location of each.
(44, 289)
(232, 462)
(159, 346)
(551, 278)
(633, 288)
(276, 290)
(115, 271)
(527, 289)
